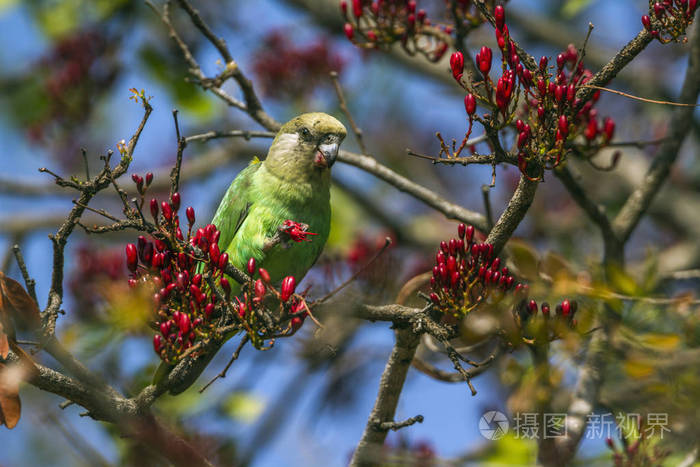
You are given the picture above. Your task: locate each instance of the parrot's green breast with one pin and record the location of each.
(272, 201)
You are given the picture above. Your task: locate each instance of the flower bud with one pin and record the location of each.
(357, 8)
(563, 125)
(176, 199)
(264, 275)
(190, 215)
(470, 104)
(185, 324)
(149, 178)
(259, 288)
(609, 128)
(532, 307)
(457, 65)
(154, 209)
(223, 260)
(499, 13)
(288, 286)
(565, 308)
(131, 257)
(461, 230)
(470, 233)
(208, 310)
(157, 343)
(349, 31)
(561, 59)
(646, 22)
(591, 130)
(434, 298)
(251, 266)
(483, 60)
(214, 253)
(167, 211)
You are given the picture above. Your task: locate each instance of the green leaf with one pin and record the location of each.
(573, 7)
(524, 258)
(243, 406)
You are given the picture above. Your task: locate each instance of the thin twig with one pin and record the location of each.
(181, 145)
(344, 107)
(637, 98)
(85, 162)
(234, 357)
(28, 281)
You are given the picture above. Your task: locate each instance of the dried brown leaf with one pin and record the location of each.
(4, 345)
(17, 304)
(10, 404)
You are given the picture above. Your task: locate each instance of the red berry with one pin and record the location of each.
(190, 215)
(565, 308)
(470, 104)
(499, 13)
(349, 31)
(157, 343)
(131, 257)
(457, 65)
(176, 201)
(259, 288)
(288, 286)
(154, 208)
(461, 230)
(167, 210)
(223, 260)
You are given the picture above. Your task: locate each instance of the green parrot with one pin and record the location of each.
(292, 183)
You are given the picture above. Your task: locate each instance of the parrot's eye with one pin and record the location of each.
(305, 133)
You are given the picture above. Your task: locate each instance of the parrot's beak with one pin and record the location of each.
(329, 152)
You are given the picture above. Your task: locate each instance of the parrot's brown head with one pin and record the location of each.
(306, 147)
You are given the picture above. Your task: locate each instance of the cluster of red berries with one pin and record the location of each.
(284, 69)
(564, 312)
(668, 20)
(466, 274)
(184, 306)
(552, 116)
(255, 317)
(385, 22)
(184, 272)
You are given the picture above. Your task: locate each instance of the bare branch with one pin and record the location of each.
(450, 210)
(639, 201)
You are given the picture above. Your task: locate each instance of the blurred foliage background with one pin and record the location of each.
(66, 67)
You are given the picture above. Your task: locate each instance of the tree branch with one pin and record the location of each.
(681, 119)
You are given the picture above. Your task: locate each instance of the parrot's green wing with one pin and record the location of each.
(235, 206)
